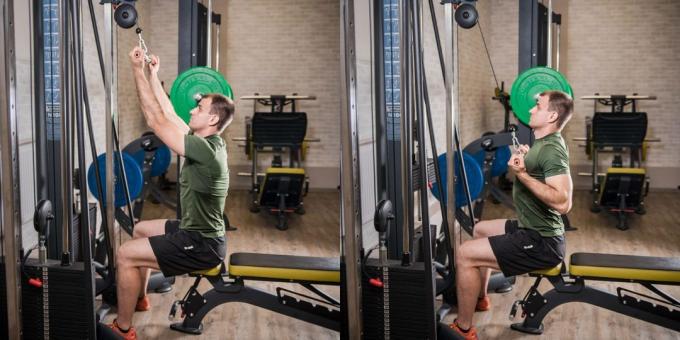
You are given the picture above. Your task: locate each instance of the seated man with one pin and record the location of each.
(197, 241)
(541, 193)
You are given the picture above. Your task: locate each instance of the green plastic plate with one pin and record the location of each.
(530, 84)
(192, 84)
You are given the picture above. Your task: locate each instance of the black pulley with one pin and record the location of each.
(125, 15)
(466, 15)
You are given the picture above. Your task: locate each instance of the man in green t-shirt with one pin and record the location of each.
(541, 193)
(197, 241)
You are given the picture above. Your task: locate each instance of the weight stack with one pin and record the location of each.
(408, 316)
(3, 301)
(63, 308)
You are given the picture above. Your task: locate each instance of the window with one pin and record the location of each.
(50, 27)
(391, 58)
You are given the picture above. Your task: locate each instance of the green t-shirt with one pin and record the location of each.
(204, 182)
(547, 157)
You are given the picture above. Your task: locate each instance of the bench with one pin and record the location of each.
(569, 286)
(229, 286)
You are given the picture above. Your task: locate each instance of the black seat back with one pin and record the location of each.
(283, 129)
(620, 128)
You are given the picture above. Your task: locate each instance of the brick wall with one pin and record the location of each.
(285, 47)
(621, 47)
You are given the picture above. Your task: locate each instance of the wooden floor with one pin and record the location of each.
(316, 234)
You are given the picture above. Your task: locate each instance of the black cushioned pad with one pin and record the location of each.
(284, 261)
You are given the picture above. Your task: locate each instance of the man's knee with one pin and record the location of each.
(140, 230)
(124, 256)
(481, 229)
(463, 257)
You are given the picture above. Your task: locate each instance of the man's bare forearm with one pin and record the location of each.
(552, 197)
(150, 107)
(164, 101)
(160, 94)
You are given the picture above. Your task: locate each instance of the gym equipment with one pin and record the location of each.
(153, 158)
(621, 190)
(466, 14)
(132, 171)
(125, 13)
(280, 189)
(475, 179)
(192, 84)
(320, 309)
(150, 143)
(531, 83)
(501, 156)
(661, 309)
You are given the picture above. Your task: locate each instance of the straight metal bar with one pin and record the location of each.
(405, 128)
(208, 39)
(111, 94)
(9, 172)
(550, 35)
(424, 203)
(450, 80)
(350, 218)
(65, 152)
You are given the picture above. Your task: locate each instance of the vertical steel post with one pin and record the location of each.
(9, 172)
(419, 75)
(550, 35)
(110, 84)
(405, 128)
(208, 39)
(66, 183)
(452, 109)
(350, 217)
(557, 47)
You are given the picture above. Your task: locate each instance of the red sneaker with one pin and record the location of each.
(483, 304)
(143, 304)
(131, 334)
(471, 334)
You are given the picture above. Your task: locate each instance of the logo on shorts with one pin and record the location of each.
(529, 246)
(189, 248)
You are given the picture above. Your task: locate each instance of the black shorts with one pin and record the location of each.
(182, 251)
(522, 250)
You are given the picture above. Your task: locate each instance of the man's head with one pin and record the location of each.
(213, 114)
(552, 108)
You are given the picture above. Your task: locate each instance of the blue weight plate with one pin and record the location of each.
(162, 156)
(474, 176)
(132, 172)
(161, 160)
(500, 164)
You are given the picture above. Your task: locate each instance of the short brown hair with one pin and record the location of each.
(223, 107)
(561, 103)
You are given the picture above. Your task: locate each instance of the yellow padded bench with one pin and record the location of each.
(625, 268)
(214, 271)
(554, 271)
(285, 268)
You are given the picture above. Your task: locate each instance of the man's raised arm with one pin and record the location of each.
(162, 97)
(157, 120)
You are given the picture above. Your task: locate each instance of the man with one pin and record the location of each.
(197, 241)
(541, 193)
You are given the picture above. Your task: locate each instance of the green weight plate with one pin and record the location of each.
(530, 84)
(191, 84)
